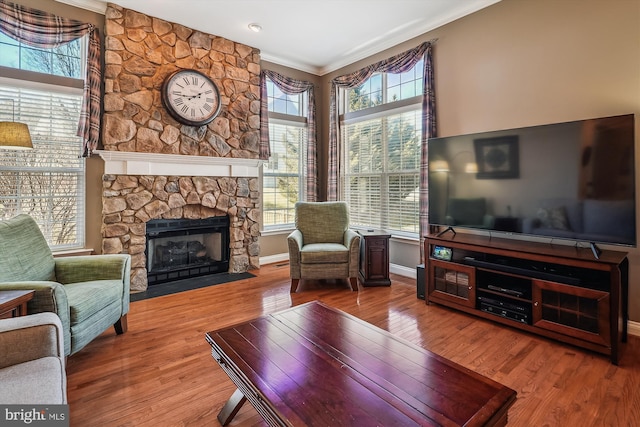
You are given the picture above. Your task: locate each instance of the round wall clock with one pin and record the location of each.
(191, 97)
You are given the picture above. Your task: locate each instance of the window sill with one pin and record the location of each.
(405, 239)
(276, 231)
(73, 252)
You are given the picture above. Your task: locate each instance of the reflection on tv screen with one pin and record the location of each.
(573, 180)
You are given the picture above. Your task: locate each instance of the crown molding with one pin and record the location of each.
(92, 5)
(297, 65)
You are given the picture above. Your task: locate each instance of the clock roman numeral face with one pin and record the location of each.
(191, 97)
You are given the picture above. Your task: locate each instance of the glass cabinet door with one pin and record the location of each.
(579, 312)
(452, 282)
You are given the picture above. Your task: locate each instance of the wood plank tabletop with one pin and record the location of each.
(315, 365)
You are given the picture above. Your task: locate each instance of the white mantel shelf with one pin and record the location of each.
(129, 163)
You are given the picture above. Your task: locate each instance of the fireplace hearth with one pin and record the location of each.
(184, 248)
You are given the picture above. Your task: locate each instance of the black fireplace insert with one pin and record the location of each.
(183, 248)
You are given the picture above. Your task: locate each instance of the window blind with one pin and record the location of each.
(47, 182)
(283, 175)
(380, 178)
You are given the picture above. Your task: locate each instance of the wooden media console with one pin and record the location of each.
(557, 291)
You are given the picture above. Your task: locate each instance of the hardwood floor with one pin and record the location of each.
(161, 373)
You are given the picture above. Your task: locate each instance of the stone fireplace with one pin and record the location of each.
(141, 187)
(159, 169)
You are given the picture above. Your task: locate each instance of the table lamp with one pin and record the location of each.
(14, 135)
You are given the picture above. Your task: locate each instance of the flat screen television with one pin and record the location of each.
(570, 181)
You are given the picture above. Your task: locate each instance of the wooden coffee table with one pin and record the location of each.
(316, 365)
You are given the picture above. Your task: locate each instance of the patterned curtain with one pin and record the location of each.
(396, 64)
(428, 131)
(44, 30)
(291, 87)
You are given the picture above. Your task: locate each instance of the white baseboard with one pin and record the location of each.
(401, 270)
(393, 268)
(272, 259)
(632, 327)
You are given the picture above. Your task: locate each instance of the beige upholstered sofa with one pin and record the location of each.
(323, 246)
(32, 361)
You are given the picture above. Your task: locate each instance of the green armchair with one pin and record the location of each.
(322, 246)
(88, 293)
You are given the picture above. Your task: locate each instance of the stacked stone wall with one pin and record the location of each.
(140, 52)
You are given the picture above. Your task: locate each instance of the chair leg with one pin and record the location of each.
(354, 283)
(121, 325)
(294, 285)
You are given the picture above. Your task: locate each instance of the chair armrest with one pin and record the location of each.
(49, 296)
(352, 241)
(294, 242)
(29, 338)
(85, 268)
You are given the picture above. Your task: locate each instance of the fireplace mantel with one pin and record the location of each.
(130, 163)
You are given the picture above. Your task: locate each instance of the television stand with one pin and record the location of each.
(556, 291)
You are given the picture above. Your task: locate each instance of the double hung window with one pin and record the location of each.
(43, 88)
(283, 178)
(380, 147)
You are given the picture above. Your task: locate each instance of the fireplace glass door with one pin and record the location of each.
(180, 249)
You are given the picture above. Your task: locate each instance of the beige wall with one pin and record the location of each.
(93, 203)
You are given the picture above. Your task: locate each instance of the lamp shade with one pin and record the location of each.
(439, 166)
(15, 136)
(471, 167)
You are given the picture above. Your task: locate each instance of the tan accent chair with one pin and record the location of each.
(322, 246)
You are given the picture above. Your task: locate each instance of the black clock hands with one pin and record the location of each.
(190, 97)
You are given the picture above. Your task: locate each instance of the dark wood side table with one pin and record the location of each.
(14, 303)
(374, 258)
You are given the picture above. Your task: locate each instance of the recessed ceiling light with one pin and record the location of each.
(255, 27)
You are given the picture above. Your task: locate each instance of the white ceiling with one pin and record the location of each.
(316, 36)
